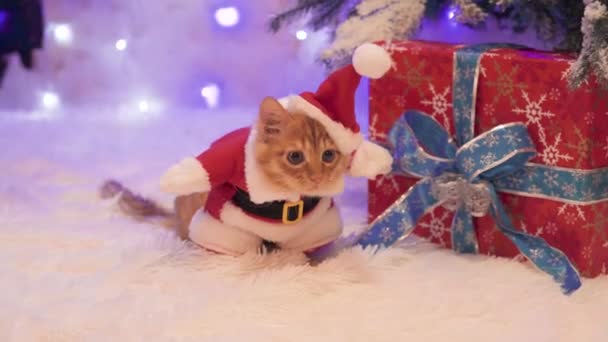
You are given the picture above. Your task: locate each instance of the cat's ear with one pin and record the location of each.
(272, 119)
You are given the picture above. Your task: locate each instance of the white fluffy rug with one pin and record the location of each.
(72, 269)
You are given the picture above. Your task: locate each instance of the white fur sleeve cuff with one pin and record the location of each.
(186, 177)
(370, 161)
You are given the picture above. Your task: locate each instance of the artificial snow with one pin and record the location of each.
(72, 268)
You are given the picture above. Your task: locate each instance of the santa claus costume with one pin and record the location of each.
(242, 210)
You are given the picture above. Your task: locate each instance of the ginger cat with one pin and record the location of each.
(294, 154)
(274, 181)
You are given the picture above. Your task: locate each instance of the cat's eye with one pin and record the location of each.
(295, 157)
(329, 156)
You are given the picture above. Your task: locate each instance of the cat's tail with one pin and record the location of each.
(136, 206)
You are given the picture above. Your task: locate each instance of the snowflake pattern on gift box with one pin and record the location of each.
(552, 127)
(596, 179)
(459, 95)
(534, 111)
(554, 94)
(400, 101)
(524, 228)
(550, 228)
(570, 218)
(569, 189)
(492, 140)
(488, 159)
(459, 226)
(440, 104)
(537, 254)
(589, 118)
(555, 261)
(388, 184)
(551, 154)
(583, 148)
(537, 111)
(512, 139)
(573, 215)
(534, 189)
(386, 234)
(599, 222)
(514, 182)
(375, 132)
(468, 164)
(587, 195)
(505, 84)
(437, 227)
(551, 179)
(414, 76)
(587, 252)
(483, 71)
(467, 73)
(488, 237)
(488, 111)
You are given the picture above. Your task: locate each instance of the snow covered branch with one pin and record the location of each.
(593, 57)
(566, 25)
(374, 20)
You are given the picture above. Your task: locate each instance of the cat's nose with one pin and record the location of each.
(316, 179)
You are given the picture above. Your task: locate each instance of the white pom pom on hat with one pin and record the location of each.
(333, 105)
(371, 60)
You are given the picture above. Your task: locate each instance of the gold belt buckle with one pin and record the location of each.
(289, 205)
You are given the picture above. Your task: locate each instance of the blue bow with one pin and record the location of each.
(462, 180)
(464, 176)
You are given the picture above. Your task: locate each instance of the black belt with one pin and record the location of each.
(285, 211)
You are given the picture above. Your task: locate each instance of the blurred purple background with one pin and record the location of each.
(145, 59)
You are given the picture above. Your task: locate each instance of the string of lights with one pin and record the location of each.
(71, 41)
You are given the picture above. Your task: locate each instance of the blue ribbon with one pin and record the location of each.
(465, 175)
(422, 147)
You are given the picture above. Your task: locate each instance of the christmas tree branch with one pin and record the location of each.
(593, 57)
(557, 22)
(374, 20)
(324, 11)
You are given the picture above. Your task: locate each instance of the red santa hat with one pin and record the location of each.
(333, 105)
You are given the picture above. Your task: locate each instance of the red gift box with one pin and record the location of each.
(569, 128)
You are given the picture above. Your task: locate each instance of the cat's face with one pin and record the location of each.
(296, 153)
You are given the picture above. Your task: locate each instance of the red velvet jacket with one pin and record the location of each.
(224, 161)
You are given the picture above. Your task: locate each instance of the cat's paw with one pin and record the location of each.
(186, 177)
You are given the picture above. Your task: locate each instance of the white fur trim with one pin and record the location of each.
(210, 233)
(347, 140)
(323, 231)
(186, 177)
(323, 222)
(370, 161)
(371, 60)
